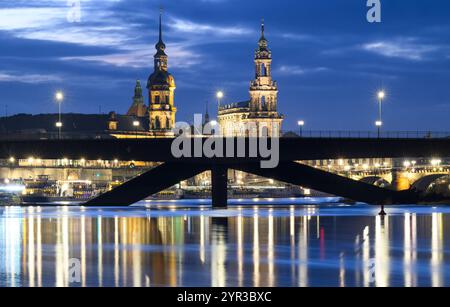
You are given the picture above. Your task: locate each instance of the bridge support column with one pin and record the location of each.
(400, 181)
(219, 176)
(382, 212)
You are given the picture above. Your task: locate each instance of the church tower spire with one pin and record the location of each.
(262, 30)
(239, 119)
(161, 56)
(263, 90)
(138, 98)
(263, 50)
(207, 119)
(160, 25)
(138, 108)
(161, 88)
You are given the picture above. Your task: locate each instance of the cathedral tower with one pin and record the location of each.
(161, 88)
(260, 112)
(264, 90)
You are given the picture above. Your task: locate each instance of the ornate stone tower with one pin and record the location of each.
(263, 90)
(138, 108)
(161, 88)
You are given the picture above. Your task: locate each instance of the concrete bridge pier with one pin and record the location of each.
(400, 181)
(219, 176)
(382, 212)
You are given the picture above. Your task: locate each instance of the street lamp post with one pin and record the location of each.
(379, 122)
(136, 125)
(301, 124)
(219, 96)
(59, 97)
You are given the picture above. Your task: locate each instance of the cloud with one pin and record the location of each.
(142, 56)
(48, 21)
(298, 37)
(186, 26)
(297, 70)
(12, 19)
(28, 78)
(82, 35)
(107, 28)
(405, 49)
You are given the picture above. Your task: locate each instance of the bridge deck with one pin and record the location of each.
(290, 149)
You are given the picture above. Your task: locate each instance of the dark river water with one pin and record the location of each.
(272, 243)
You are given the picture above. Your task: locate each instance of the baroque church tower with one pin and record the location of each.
(261, 111)
(263, 89)
(161, 88)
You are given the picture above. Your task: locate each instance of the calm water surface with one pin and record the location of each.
(185, 244)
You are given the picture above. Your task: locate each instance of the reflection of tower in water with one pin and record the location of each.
(410, 249)
(437, 250)
(219, 235)
(88, 239)
(382, 258)
(10, 246)
(241, 250)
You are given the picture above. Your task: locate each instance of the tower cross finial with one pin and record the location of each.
(262, 27)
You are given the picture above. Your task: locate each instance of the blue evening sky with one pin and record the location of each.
(328, 60)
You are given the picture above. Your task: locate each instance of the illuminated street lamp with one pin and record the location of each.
(136, 125)
(219, 96)
(381, 95)
(436, 162)
(301, 124)
(214, 126)
(59, 97)
(379, 124)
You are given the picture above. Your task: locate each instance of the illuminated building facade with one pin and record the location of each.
(259, 115)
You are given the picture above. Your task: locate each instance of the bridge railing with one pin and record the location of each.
(337, 134)
(366, 134)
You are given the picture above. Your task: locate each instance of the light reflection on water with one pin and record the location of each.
(242, 246)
